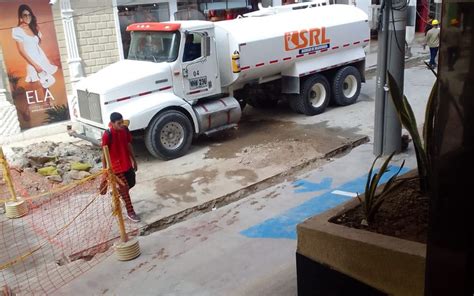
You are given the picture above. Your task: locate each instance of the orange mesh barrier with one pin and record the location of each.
(66, 232)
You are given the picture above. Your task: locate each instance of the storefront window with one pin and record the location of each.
(158, 12)
(214, 10)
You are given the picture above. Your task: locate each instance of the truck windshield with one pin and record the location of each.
(154, 46)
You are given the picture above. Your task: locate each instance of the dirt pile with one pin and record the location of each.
(58, 162)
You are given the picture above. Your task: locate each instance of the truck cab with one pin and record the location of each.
(163, 88)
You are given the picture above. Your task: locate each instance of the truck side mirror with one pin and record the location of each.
(206, 46)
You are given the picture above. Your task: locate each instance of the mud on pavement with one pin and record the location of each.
(232, 164)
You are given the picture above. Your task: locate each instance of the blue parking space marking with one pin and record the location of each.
(283, 226)
(306, 186)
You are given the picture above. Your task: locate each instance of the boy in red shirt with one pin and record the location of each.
(124, 165)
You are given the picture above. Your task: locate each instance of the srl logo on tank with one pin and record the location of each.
(307, 40)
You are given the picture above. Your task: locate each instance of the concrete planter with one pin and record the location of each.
(390, 265)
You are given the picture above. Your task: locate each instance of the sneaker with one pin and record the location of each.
(133, 217)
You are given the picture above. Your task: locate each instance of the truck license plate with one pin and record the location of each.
(199, 82)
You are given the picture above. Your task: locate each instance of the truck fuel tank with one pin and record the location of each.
(217, 114)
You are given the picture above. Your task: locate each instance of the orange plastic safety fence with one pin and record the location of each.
(66, 232)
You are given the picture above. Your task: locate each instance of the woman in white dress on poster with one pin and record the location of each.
(28, 40)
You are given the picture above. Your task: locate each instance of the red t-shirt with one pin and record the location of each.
(118, 149)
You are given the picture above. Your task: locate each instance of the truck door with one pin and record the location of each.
(199, 65)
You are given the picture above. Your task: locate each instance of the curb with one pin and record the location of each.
(241, 193)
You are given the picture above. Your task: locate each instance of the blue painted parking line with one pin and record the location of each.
(284, 225)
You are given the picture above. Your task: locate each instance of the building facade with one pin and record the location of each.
(80, 37)
(89, 35)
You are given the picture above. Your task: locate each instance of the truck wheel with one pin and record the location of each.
(293, 102)
(169, 135)
(314, 96)
(346, 86)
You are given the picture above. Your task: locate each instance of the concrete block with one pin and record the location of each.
(102, 25)
(93, 41)
(99, 47)
(101, 61)
(85, 34)
(81, 19)
(97, 33)
(95, 19)
(108, 32)
(103, 40)
(111, 60)
(91, 63)
(88, 48)
(94, 55)
(111, 46)
(113, 38)
(91, 26)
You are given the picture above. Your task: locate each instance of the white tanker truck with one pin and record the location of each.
(187, 78)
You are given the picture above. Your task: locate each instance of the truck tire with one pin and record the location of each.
(293, 102)
(169, 135)
(346, 86)
(314, 96)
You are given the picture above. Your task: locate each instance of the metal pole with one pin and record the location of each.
(380, 92)
(116, 197)
(396, 67)
(387, 129)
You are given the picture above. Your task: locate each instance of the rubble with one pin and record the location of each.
(71, 161)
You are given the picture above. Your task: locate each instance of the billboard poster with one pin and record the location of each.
(32, 60)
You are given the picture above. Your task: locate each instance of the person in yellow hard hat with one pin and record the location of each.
(432, 40)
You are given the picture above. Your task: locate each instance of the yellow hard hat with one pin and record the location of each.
(435, 22)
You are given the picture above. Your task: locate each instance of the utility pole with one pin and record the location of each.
(391, 58)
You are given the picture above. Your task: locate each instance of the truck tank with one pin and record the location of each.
(272, 45)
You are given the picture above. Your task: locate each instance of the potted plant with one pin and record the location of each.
(370, 245)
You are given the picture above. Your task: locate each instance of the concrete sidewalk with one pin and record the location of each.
(244, 248)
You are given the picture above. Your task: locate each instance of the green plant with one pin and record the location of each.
(57, 113)
(408, 120)
(374, 198)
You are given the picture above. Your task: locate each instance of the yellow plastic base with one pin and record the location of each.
(16, 209)
(128, 250)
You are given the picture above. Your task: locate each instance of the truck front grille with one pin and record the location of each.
(89, 106)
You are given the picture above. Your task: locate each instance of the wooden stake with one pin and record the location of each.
(116, 196)
(7, 176)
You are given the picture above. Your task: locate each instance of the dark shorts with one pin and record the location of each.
(130, 177)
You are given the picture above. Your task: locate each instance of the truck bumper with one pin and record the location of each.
(87, 132)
